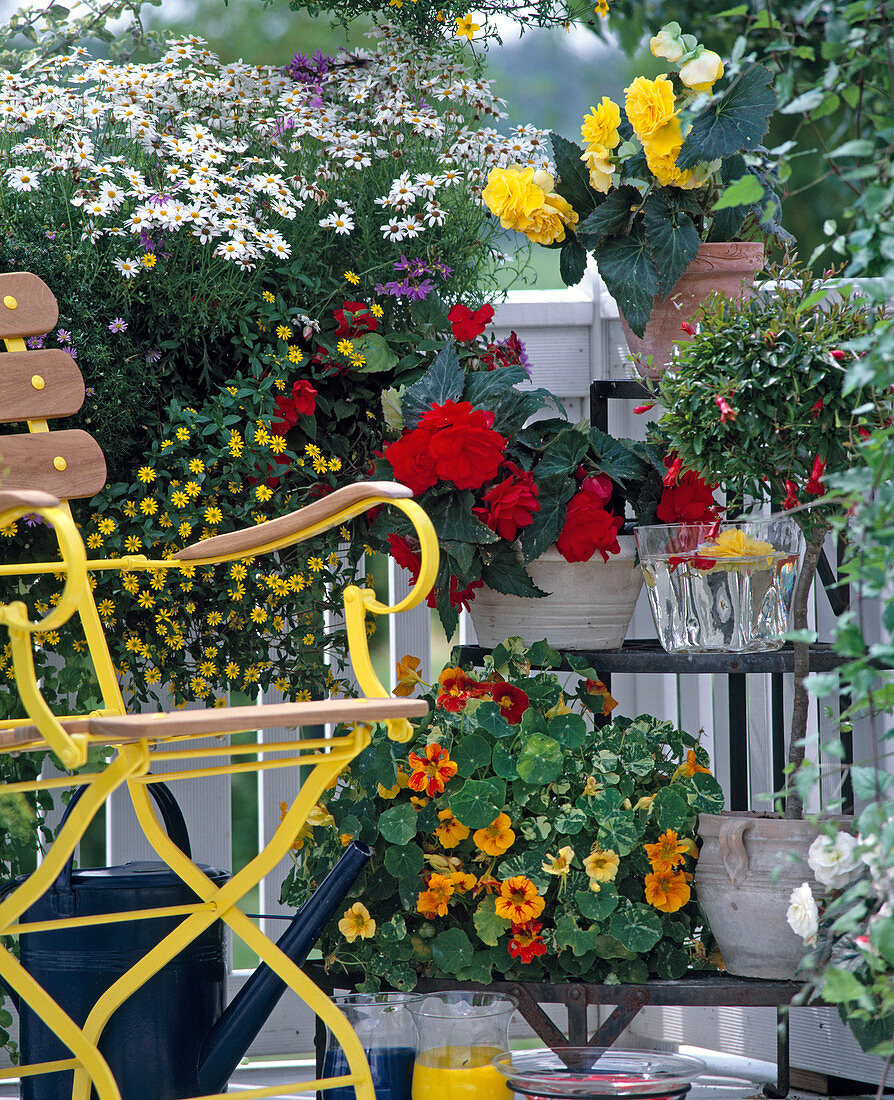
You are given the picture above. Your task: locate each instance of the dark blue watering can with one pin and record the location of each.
(173, 1038)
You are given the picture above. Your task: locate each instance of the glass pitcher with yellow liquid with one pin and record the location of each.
(459, 1035)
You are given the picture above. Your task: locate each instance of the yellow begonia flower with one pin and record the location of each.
(600, 126)
(512, 195)
(667, 43)
(601, 171)
(465, 26)
(650, 107)
(702, 71)
(357, 923)
(663, 167)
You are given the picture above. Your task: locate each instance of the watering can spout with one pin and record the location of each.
(231, 1036)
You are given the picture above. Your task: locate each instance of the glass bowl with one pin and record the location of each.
(593, 1073)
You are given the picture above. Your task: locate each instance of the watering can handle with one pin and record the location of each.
(171, 815)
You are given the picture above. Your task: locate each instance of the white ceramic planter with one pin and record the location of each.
(590, 603)
(743, 880)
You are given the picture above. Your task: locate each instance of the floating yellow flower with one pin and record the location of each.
(601, 865)
(667, 852)
(451, 831)
(496, 838)
(357, 923)
(519, 900)
(735, 543)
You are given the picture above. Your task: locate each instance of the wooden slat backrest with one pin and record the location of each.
(36, 386)
(69, 464)
(39, 385)
(27, 306)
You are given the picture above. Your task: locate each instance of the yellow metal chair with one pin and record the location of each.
(41, 470)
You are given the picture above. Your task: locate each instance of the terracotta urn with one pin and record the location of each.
(589, 606)
(729, 268)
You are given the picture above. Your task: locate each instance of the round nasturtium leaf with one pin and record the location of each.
(398, 824)
(541, 760)
(471, 753)
(452, 950)
(637, 927)
(475, 803)
(404, 861)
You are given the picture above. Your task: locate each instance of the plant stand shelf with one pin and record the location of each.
(699, 988)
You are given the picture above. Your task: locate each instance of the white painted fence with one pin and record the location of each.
(572, 338)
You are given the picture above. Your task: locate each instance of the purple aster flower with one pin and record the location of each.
(89, 391)
(50, 236)
(32, 519)
(420, 291)
(35, 341)
(73, 352)
(442, 268)
(117, 324)
(153, 356)
(63, 336)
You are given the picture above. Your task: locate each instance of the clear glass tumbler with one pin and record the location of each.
(721, 590)
(387, 1030)
(460, 1033)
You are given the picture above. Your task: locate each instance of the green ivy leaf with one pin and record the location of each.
(704, 793)
(637, 927)
(541, 760)
(598, 906)
(732, 123)
(569, 730)
(744, 191)
(471, 753)
(398, 824)
(569, 934)
(475, 804)
(626, 267)
(404, 861)
(487, 924)
(452, 950)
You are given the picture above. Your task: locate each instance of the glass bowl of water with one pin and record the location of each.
(725, 588)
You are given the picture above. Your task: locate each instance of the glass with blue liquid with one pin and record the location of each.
(387, 1031)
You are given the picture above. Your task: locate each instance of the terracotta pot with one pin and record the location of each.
(743, 882)
(590, 604)
(728, 268)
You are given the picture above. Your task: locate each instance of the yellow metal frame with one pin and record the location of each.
(130, 768)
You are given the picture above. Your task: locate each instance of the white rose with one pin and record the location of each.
(667, 43)
(832, 860)
(803, 914)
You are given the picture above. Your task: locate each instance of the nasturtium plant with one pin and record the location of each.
(522, 832)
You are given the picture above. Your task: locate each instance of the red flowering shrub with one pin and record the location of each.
(511, 503)
(588, 527)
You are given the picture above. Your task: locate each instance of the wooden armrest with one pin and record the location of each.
(337, 507)
(32, 499)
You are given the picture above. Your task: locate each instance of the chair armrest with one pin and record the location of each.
(323, 514)
(29, 500)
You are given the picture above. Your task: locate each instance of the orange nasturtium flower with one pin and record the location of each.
(667, 852)
(601, 865)
(451, 831)
(432, 772)
(519, 900)
(668, 891)
(496, 838)
(690, 766)
(463, 881)
(357, 923)
(433, 901)
(408, 675)
(456, 689)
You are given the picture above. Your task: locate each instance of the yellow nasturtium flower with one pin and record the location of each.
(357, 923)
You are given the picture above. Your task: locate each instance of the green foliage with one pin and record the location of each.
(570, 831)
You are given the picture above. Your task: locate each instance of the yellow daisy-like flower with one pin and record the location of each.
(352, 277)
(278, 444)
(601, 8)
(196, 466)
(148, 506)
(106, 526)
(146, 600)
(182, 434)
(308, 639)
(259, 615)
(466, 27)
(357, 923)
(129, 508)
(213, 515)
(94, 541)
(192, 488)
(283, 332)
(315, 565)
(179, 499)
(268, 297)
(345, 347)
(296, 355)
(133, 543)
(263, 492)
(376, 310)
(146, 474)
